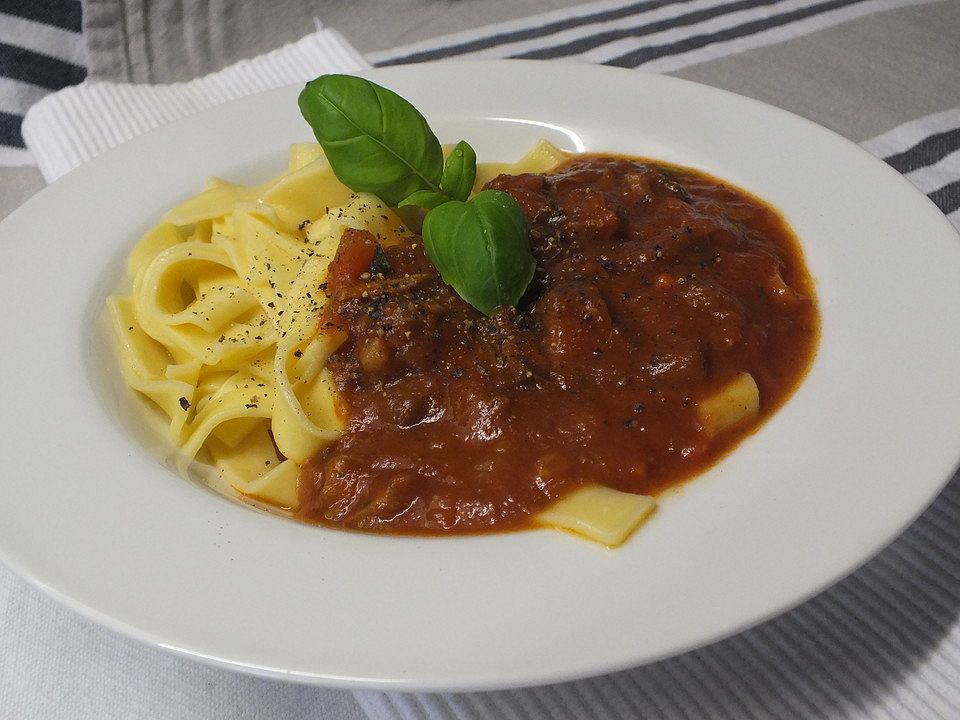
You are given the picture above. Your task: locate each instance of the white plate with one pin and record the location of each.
(93, 517)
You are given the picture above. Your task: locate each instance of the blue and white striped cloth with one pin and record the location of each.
(655, 35)
(927, 151)
(41, 50)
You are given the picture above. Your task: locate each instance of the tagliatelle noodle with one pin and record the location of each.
(221, 330)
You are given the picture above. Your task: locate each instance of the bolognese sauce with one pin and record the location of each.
(655, 286)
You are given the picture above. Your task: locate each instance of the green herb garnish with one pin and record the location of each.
(377, 142)
(459, 172)
(481, 249)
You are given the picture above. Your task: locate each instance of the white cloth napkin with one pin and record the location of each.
(69, 127)
(885, 643)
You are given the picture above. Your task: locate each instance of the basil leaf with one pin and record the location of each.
(481, 249)
(375, 140)
(459, 172)
(425, 199)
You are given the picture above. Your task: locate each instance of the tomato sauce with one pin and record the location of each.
(655, 286)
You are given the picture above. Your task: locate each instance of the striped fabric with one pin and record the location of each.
(41, 50)
(656, 35)
(927, 151)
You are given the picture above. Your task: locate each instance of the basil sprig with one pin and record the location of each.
(377, 142)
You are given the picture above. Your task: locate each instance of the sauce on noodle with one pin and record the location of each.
(655, 286)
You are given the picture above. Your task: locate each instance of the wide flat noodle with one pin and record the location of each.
(221, 331)
(599, 513)
(543, 158)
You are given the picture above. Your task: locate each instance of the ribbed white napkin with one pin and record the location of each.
(69, 127)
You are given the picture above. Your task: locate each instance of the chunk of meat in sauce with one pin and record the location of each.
(654, 287)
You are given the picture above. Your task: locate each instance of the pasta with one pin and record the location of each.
(221, 329)
(226, 329)
(222, 332)
(734, 403)
(599, 513)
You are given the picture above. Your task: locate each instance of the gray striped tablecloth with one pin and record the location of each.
(884, 643)
(41, 50)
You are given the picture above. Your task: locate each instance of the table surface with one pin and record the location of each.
(861, 78)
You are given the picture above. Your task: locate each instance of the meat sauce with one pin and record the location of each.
(655, 286)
